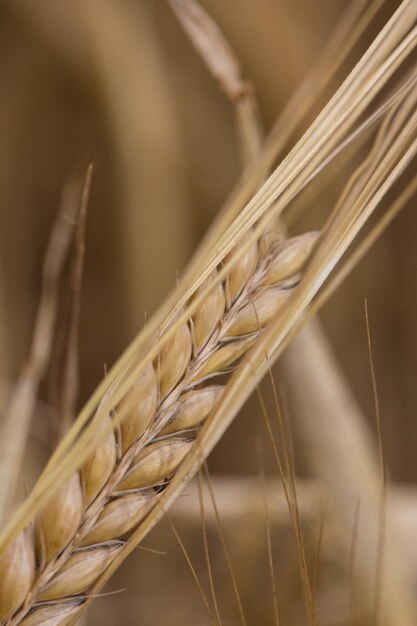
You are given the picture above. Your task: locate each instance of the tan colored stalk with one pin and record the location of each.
(63, 392)
(80, 530)
(221, 61)
(345, 35)
(19, 412)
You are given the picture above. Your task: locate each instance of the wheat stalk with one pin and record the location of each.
(80, 530)
(21, 404)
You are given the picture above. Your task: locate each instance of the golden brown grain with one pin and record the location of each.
(78, 532)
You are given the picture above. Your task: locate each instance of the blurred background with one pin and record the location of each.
(117, 82)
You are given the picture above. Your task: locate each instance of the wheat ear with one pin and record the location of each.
(46, 579)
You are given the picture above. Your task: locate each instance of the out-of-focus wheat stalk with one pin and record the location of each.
(22, 402)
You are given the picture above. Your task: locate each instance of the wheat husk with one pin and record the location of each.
(76, 531)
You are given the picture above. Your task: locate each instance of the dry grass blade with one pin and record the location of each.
(358, 254)
(65, 377)
(287, 479)
(346, 34)
(291, 492)
(192, 569)
(317, 551)
(268, 533)
(212, 46)
(21, 405)
(380, 560)
(225, 549)
(206, 548)
(222, 63)
(353, 603)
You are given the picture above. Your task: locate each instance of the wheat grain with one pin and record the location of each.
(79, 531)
